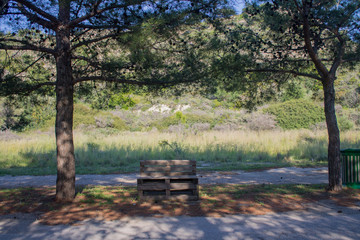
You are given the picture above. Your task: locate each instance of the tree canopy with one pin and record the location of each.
(77, 38)
(279, 39)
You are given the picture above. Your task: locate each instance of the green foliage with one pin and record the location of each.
(84, 115)
(21, 114)
(175, 119)
(105, 98)
(193, 118)
(296, 114)
(345, 124)
(293, 91)
(347, 88)
(119, 100)
(180, 118)
(119, 124)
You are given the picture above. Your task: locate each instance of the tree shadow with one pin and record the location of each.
(123, 222)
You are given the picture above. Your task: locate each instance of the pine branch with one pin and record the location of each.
(38, 10)
(25, 46)
(285, 71)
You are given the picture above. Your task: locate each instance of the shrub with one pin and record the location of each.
(124, 102)
(258, 122)
(345, 124)
(7, 135)
(119, 124)
(180, 118)
(319, 126)
(168, 121)
(293, 91)
(103, 122)
(26, 113)
(194, 118)
(84, 115)
(296, 114)
(226, 127)
(200, 127)
(179, 128)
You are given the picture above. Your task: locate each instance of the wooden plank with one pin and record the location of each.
(180, 174)
(171, 168)
(182, 186)
(168, 177)
(153, 175)
(170, 186)
(167, 162)
(152, 186)
(182, 168)
(156, 169)
(165, 175)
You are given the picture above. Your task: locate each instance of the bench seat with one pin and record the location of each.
(168, 179)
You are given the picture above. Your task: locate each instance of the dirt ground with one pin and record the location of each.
(112, 203)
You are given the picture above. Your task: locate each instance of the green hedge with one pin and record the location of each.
(295, 114)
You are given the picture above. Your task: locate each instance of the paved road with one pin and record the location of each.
(322, 220)
(273, 176)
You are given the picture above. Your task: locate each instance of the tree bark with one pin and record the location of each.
(65, 182)
(334, 161)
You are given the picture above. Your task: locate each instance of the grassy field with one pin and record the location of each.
(98, 152)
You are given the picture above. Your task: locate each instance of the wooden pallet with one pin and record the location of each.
(168, 179)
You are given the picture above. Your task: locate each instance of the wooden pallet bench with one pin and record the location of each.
(168, 179)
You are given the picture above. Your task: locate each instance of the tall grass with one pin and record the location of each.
(95, 152)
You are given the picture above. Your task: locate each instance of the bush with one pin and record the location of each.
(200, 127)
(119, 124)
(180, 118)
(84, 115)
(258, 122)
(296, 114)
(119, 100)
(179, 128)
(21, 114)
(293, 90)
(103, 122)
(194, 118)
(226, 127)
(345, 124)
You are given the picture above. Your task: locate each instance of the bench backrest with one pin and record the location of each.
(164, 168)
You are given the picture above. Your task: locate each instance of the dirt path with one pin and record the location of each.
(322, 220)
(272, 176)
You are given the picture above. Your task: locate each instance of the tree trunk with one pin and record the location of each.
(334, 162)
(65, 182)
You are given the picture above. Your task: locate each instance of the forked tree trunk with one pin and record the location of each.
(334, 162)
(65, 182)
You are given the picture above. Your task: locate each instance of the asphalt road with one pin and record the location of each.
(273, 176)
(321, 220)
